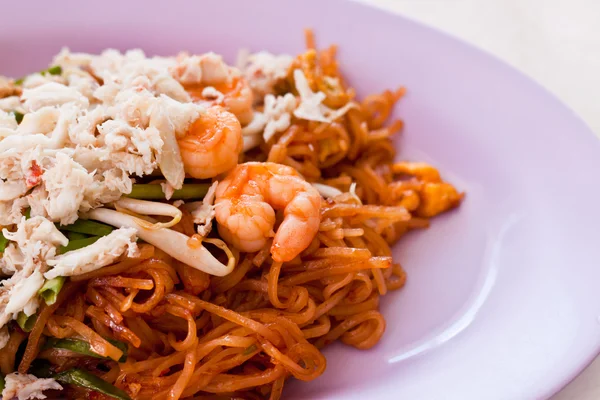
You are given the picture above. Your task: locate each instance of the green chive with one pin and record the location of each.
(189, 191)
(51, 288)
(83, 347)
(3, 242)
(249, 350)
(79, 377)
(54, 70)
(78, 244)
(26, 322)
(88, 227)
(76, 236)
(18, 116)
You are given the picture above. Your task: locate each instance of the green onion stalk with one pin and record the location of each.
(83, 347)
(49, 292)
(18, 116)
(76, 236)
(78, 377)
(87, 227)
(78, 244)
(26, 322)
(3, 242)
(189, 191)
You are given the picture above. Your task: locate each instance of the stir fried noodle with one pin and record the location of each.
(192, 335)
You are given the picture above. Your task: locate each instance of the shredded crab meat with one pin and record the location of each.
(206, 68)
(128, 125)
(52, 94)
(167, 189)
(27, 387)
(278, 114)
(65, 182)
(37, 79)
(256, 126)
(263, 70)
(25, 259)
(7, 121)
(11, 103)
(101, 253)
(203, 212)
(43, 121)
(311, 105)
(212, 93)
(172, 119)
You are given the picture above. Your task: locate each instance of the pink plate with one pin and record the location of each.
(501, 301)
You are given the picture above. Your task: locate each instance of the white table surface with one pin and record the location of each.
(555, 42)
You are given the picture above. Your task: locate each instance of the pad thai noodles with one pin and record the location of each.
(181, 228)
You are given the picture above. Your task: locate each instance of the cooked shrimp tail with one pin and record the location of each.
(245, 209)
(212, 144)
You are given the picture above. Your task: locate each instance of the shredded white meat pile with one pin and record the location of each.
(87, 131)
(263, 71)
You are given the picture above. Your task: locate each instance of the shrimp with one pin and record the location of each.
(245, 206)
(210, 81)
(212, 144)
(237, 97)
